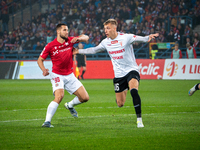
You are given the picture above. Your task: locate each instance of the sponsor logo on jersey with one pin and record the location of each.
(116, 52)
(118, 57)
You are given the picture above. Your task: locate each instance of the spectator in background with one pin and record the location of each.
(39, 46)
(80, 26)
(12, 39)
(188, 32)
(136, 18)
(50, 37)
(196, 35)
(170, 36)
(1, 33)
(156, 12)
(1, 45)
(174, 21)
(18, 48)
(5, 20)
(175, 8)
(28, 44)
(196, 44)
(162, 38)
(177, 36)
(176, 53)
(188, 41)
(190, 52)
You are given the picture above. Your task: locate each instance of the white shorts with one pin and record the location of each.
(67, 82)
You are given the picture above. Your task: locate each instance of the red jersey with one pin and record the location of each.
(61, 56)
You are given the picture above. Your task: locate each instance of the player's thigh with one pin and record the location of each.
(133, 83)
(82, 94)
(120, 84)
(133, 79)
(74, 86)
(121, 97)
(57, 82)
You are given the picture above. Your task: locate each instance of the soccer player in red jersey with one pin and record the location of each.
(60, 51)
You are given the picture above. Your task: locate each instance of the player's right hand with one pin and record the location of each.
(45, 72)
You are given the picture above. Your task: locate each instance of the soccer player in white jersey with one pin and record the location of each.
(60, 51)
(120, 50)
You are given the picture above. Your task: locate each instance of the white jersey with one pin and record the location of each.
(120, 51)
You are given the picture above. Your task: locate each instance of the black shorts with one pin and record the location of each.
(121, 84)
(81, 63)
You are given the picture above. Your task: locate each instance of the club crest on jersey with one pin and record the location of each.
(56, 52)
(66, 43)
(114, 42)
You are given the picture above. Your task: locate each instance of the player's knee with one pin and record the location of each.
(120, 104)
(85, 98)
(58, 98)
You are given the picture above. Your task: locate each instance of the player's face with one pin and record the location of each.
(110, 30)
(63, 32)
(176, 47)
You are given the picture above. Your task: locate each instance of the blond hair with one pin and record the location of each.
(111, 21)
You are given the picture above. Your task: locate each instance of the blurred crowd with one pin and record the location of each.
(140, 17)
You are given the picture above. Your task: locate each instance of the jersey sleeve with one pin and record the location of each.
(92, 50)
(136, 38)
(44, 54)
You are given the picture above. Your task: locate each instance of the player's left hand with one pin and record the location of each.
(153, 36)
(74, 40)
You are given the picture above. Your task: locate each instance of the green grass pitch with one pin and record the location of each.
(171, 117)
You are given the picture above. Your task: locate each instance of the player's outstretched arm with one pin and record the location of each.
(91, 50)
(148, 38)
(81, 38)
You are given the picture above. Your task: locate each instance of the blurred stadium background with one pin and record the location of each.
(26, 26)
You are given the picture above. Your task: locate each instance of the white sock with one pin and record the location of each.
(51, 110)
(74, 102)
(139, 119)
